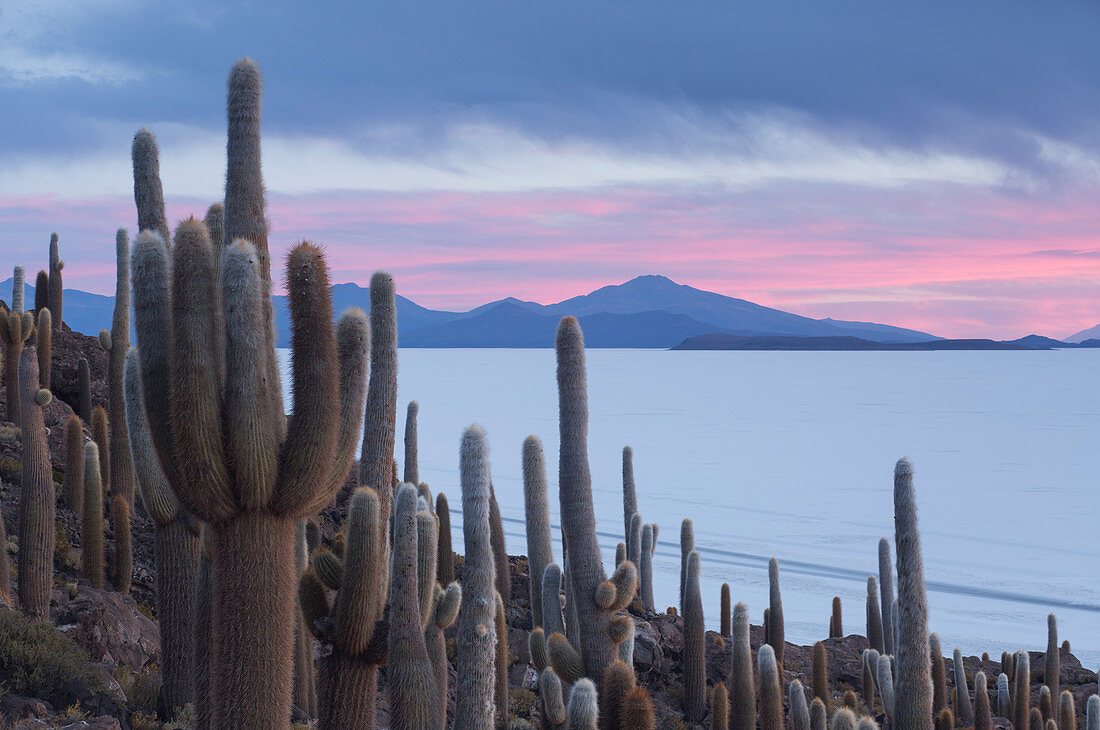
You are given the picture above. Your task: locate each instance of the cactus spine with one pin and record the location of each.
(774, 636)
(16, 327)
(886, 586)
(412, 470)
(91, 525)
(630, 497)
(836, 623)
(983, 717)
(1051, 659)
(913, 689)
(742, 691)
(55, 299)
(965, 713)
(874, 617)
(695, 658)
(649, 543)
(800, 711)
(1022, 691)
(540, 551)
(36, 523)
(148, 192)
(771, 696)
(176, 552)
(474, 707)
(121, 468)
(724, 608)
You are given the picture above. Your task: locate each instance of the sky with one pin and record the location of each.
(932, 165)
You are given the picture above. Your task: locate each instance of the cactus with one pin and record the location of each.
(965, 711)
(121, 480)
(445, 563)
(836, 623)
(41, 292)
(540, 552)
(595, 598)
(844, 720)
(637, 712)
(719, 708)
(1046, 705)
(983, 717)
(552, 618)
(176, 551)
(55, 299)
(649, 544)
(1035, 720)
(1067, 711)
(771, 696)
(1022, 691)
(583, 707)
(868, 723)
(1008, 664)
(99, 435)
(18, 290)
(148, 192)
(884, 679)
(412, 471)
(44, 345)
(774, 635)
(939, 674)
(630, 497)
(870, 669)
(550, 697)
(944, 719)
(91, 525)
(124, 559)
(874, 617)
(819, 662)
(617, 683)
(84, 390)
(203, 633)
(1004, 697)
(5, 567)
(913, 689)
(687, 544)
(16, 327)
(474, 709)
(695, 650)
(1092, 713)
(376, 459)
(634, 540)
(800, 712)
(724, 610)
(36, 507)
(1051, 659)
(620, 553)
(742, 691)
(74, 464)
(818, 715)
(886, 586)
(500, 693)
(500, 549)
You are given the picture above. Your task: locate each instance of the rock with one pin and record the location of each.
(108, 627)
(14, 707)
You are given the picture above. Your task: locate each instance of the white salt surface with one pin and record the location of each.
(791, 454)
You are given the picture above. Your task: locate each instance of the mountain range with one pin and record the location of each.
(647, 311)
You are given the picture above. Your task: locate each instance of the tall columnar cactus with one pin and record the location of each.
(886, 586)
(99, 435)
(44, 345)
(800, 711)
(1004, 697)
(819, 662)
(148, 192)
(775, 612)
(884, 679)
(720, 708)
(176, 552)
(16, 327)
(551, 701)
(1021, 694)
(1092, 713)
(913, 688)
(1046, 704)
(818, 717)
(540, 552)
(412, 469)
(695, 649)
(583, 708)
(474, 706)
(724, 610)
(836, 622)
(771, 695)
(553, 619)
(1067, 711)
(41, 291)
(649, 544)
(121, 479)
(939, 674)
(964, 709)
(446, 561)
(742, 691)
(204, 632)
(379, 422)
(500, 548)
(91, 524)
(630, 496)
(55, 300)
(84, 390)
(870, 668)
(637, 710)
(874, 617)
(18, 290)
(983, 717)
(595, 598)
(633, 551)
(124, 558)
(687, 544)
(36, 507)
(500, 690)
(1052, 666)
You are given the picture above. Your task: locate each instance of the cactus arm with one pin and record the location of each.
(376, 461)
(91, 528)
(156, 495)
(36, 523)
(196, 399)
(426, 556)
(360, 601)
(44, 345)
(540, 551)
(412, 468)
(148, 191)
(122, 468)
(913, 690)
(244, 185)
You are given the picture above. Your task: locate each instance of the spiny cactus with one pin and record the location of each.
(617, 683)
(771, 696)
(44, 345)
(16, 327)
(884, 679)
(983, 717)
(474, 706)
(819, 662)
(634, 540)
(800, 712)
(649, 544)
(500, 693)
(379, 422)
(203, 633)
(99, 435)
(1092, 713)
(74, 464)
(965, 710)
(84, 390)
(553, 619)
(445, 563)
(630, 497)
(36, 507)
(874, 617)
(719, 708)
(836, 623)
(5, 567)
(870, 669)
(695, 657)
(687, 544)
(176, 552)
(55, 299)
(91, 525)
(1067, 711)
(18, 290)
(121, 480)
(1051, 660)
(1008, 665)
(774, 636)
(886, 586)
(939, 674)
(540, 552)
(913, 688)
(148, 192)
(844, 720)
(41, 292)
(1021, 694)
(868, 723)
(583, 706)
(500, 548)
(620, 553)
(245, 472)
(1004, 697)
(124, 558)
(595, 598)
(1046, 703)
(551, 701)
(637, 711)
(742, 691)
(724, 610)
(944, 719)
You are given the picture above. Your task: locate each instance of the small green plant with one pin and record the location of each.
(521, 703)
(10, 469)
(36, 659)
(141, 687)
(61, 545)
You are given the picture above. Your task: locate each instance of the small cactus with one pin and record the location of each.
(121, 467)
(74, 464)
(1051, 659)
(583, 706)
(1004, 697)
(550, 697)
(844, 720)
(913, 696)
(1092, 713)
(817, 714)
(771, 696)
(148, 192)
(742, 691)
(91, 526)
(412, 468)
(774, 635)
(645, 565)
(503, 570)
(501, 659)
(939, 674)
(41, 292)
(44, 345)
(695, 659)
(965, 709)
(99, 435)
(630, 496)
(36, 505)
(800, 711)
(1067, 711)
(687, 544)
(819, 661)
(870, 669)
(18, 290)
(1021, 694)
(552, 618)
(983, 717)
(874, 617)
(836, 623)
(884, 679)
(617, 683)
(16, 327)
(55, 297)
(724, 611)
(540, 552)
(886, 588)
(634, 540)
(445, 563)
(637, 712)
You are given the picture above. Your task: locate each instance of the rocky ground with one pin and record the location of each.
(117, 635)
